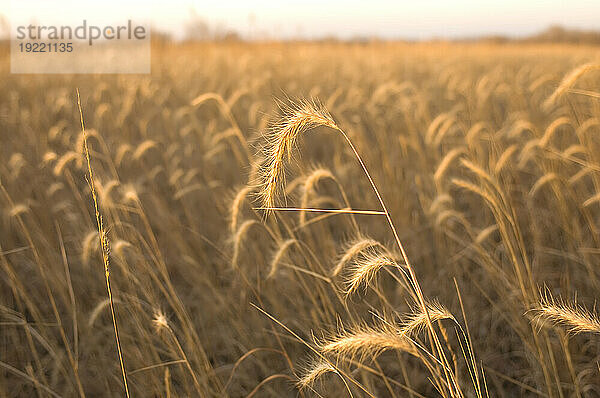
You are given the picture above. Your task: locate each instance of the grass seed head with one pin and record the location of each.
(297, 118)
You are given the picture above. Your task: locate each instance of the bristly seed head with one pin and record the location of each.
(572, 316)
(297, 118)
(364, 341)
(160, 321)
(314, 372)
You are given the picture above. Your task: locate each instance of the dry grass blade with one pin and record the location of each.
(335, 211)
(104, 245)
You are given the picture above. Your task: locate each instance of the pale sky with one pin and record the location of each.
(343, 18)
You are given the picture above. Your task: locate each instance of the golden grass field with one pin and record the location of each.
(470, 267)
